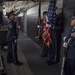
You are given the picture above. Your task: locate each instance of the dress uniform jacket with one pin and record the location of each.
(12, 35)
(69, 66)
(71, 48)
(12, 47)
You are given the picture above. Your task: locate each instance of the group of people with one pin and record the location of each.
(54, 49)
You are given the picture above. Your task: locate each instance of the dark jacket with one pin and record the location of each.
(11, 35)
(57, 25)
(71, 48)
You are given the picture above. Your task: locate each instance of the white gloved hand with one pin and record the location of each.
(64, 38)
(15, 41)
(48, 25)
(18, 26)
(65, 44)
(38, 26)
(73, 34)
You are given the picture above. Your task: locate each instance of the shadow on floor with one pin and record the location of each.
(37, 64)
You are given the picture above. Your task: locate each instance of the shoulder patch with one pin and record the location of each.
(10, 25)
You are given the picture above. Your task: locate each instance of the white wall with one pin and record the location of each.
(25, 22)
(44, 7)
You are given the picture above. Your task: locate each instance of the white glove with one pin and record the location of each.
(73, 34)
(15, 41)
(18, 26)
(48, 25)
(65, 44)
(64, 38)
(38, 26)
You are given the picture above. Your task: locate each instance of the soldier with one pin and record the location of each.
(39, 32)
(54, 51)
(53, 46)
(69, 67)
(58, 30)
(12, 40)
(44, 47)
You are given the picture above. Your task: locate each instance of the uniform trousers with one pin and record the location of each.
(69, 67)
(12, 52)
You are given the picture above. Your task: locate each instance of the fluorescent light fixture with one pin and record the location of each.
(21, 14)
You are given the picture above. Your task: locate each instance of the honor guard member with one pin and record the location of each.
(58, 30)
(51, 18)
(44, 47)
(54, 50)
(12, 40)
(53, 46)
(39, 33)
(69, 44)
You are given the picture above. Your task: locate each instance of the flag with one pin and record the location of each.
(38, 33)
(48, 21)
(46, 34)
(51, 15)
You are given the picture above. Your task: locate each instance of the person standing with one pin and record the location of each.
(69, 43)
(12, 40)
(44, 47)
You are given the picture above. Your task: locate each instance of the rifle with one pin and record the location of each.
(63, 61)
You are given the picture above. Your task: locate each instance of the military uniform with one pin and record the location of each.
(69, 67)
(56, 38)
(11, 36)
(12, 41)
(44, 46)
(40, 28)
(54, 50)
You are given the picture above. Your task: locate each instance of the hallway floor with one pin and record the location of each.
(30, 56)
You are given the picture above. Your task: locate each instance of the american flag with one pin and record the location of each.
(48, 21)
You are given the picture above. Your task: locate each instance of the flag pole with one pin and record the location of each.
(39, 16)
(39, 13)
(38, 24)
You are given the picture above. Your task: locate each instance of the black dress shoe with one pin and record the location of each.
(9, 61)
(57, 61)
(43, 55)
(18, 63)
(50, 62)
